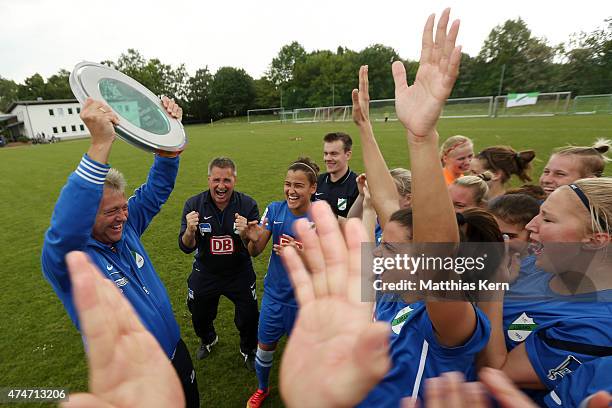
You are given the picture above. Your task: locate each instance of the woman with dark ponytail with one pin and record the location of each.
(502, 162)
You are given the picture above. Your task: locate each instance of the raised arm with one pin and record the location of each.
(75, 211)
(418, 107)
(385, 198)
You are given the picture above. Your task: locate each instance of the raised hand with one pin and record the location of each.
(335, 348)
(248, 230)
(172, 108)
(362, 186)
(418, 106)
(127, 367)
(361, 99)
(192, 219)
(100, 121)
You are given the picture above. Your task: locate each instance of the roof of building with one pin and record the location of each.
(40, 102)
(4, 117)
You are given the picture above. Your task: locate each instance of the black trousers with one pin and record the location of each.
(181, 361)
(203, 303)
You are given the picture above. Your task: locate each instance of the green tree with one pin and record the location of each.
(281, 68)
(588, 69)
(232, 92)
(379, 57)
(159, 78)
(32, 88)
(8, 93)
(267, 95)
(58, 86)
(527, 60)
(198, 96)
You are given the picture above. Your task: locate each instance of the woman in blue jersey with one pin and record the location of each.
(428, 338)
(563, 316)
(278, 306)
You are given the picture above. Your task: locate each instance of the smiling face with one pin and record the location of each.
(559, 171)
(458, 159)
(112, 215)
(562, 218)
(298, 191)
(462, 197)
(221, 184)
(336, 159)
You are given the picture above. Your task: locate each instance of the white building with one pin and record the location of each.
(59, 118)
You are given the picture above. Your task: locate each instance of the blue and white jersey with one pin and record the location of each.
(576, 387)
(560, 332)
(416, 354)
(277, 284)
(532, 304)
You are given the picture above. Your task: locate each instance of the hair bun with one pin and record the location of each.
(602, 145)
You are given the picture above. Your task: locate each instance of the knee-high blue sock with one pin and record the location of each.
(263, 364)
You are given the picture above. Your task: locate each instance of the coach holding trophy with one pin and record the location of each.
(93, 215)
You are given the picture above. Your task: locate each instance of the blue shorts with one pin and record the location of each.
(275, 320)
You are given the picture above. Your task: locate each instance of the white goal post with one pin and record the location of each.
(591, 104)
(323, 114)
(547, 104)
(269, 115)
(383, 110)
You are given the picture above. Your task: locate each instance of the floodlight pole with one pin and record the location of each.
(501, 80)
(333, 96)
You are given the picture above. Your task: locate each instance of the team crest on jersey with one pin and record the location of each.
(568, 365)
(204, 228)
(521, 328)
(121, 282)
(342, 203)
(221, 245)
(138, 258)
(400, 319)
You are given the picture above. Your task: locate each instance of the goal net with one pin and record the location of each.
(544, 104)
(268, 115)
(323, 114)
(591, 104)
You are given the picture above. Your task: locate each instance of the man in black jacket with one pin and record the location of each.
(222, 265)
(339, 185)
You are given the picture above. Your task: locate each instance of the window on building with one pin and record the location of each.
(64, 129)
(73, 127)
(127, 108)
(70, 111)
(51, 112)
(60, 111)
(54, 129)
(82, 127)
(78, 110)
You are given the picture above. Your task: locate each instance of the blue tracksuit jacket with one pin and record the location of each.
(126, 262)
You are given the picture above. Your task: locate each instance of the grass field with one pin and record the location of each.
(39, 345)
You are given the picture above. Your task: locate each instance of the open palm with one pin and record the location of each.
(127, 367)
(336, 353)
(419, 106)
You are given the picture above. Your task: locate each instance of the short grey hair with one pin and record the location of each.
(115, 181)
(222, 163)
